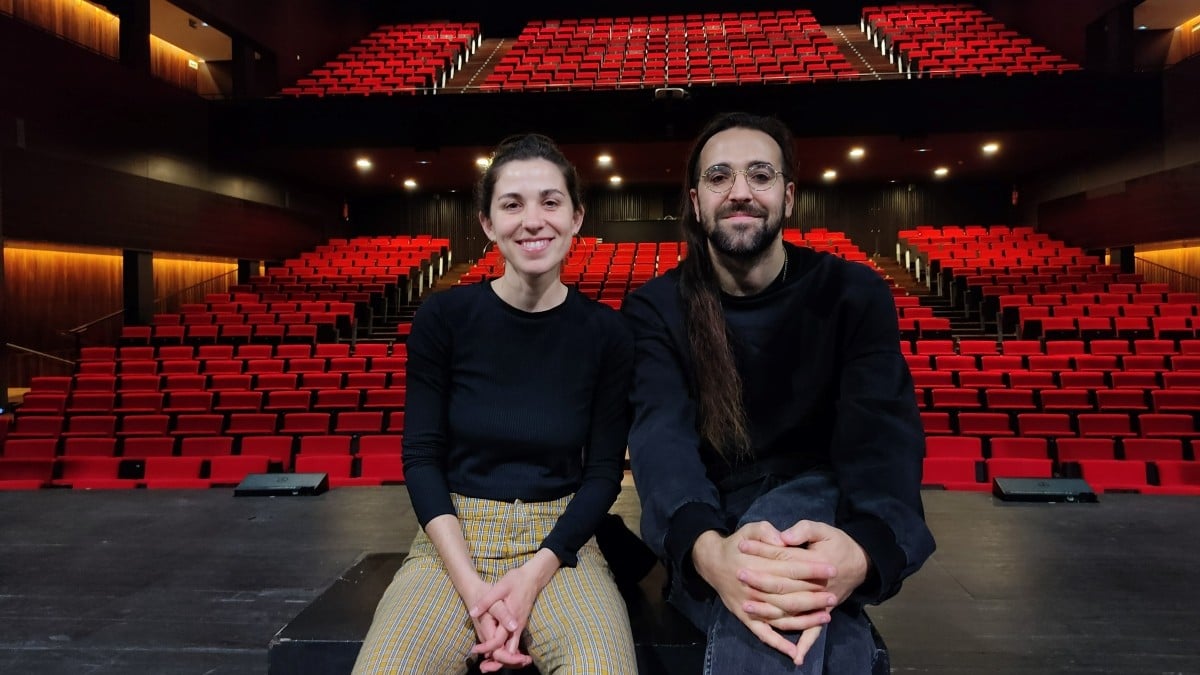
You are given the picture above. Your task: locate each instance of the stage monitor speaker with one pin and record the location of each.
(1043, 490)
(282, 485)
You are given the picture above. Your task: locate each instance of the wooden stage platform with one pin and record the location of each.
(192, 582)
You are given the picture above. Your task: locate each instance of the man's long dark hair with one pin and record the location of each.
(721, 413)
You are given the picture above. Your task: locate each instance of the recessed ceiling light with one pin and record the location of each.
(829, 174)
(991, 148)
(857, 153)
(614, 180)
(362, 163)
(422, 162)
(410, 183)
(1142, 27)
(604, 160)
(941, 172)
(922, 149)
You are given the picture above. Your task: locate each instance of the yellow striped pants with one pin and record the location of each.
(578, 625)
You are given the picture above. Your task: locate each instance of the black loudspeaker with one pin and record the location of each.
(1043, 490)
(282, 485)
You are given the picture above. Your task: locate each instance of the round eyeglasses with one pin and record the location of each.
(759, 177)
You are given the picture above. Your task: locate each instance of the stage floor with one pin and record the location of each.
(191, 582)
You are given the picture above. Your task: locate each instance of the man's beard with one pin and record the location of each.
(736, 245)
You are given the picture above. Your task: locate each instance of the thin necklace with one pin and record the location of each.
(783, 274)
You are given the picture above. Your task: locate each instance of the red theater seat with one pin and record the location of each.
(1176, 425)
(380, 444)
(229, 471)
(31, 448)
(1177, 477)
(174, 473)
(1114, 475)
(1011, 467)
(25, 473)
(277, 448)
(147, 446)
(383, 468)
(99, 473)
(1018, 448)
(324, 445)
(952, 473)
(953, 446)
(336, 467)
(1152, 449)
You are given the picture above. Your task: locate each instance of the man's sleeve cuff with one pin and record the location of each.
(688, 523)
(886, 558)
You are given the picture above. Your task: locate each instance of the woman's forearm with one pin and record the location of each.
(446, 534)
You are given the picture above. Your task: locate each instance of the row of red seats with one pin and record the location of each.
(1028, 424)
(569, 55)
(189, 472)
(324, 350)
(1028, 347)
(153, 374)
(712, 20)
(106, 372)
(394, 60)
(288, 395)
(1018, 378)
(305, 274)
(369, 254)
(1041, 323)
(1062, 449)
(296, 423)
(1071, 398)
(423, 244)
(221, 334)
(279, 449)
(1103, 475)
(386, 377)
(116, 473)
(1059, 362)
(954, 40)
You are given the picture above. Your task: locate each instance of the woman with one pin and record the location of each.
(514, 442)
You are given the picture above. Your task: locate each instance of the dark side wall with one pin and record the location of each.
(1060, 25)
(301, 34)
(95, 154)
(1151, 195)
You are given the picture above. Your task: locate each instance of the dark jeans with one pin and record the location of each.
(847, 645)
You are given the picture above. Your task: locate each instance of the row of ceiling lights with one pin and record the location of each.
(856, 154)
(605, 161)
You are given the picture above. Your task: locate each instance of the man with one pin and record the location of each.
(776, 442)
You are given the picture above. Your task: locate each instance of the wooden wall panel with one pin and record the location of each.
(1183, 259)
(188, 280)
(1186, 41)
(6, 7)
(170, 63)
(48, 291)
(76, 20)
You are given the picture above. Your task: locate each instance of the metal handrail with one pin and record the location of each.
(82, 328)
(35, 352)
(1178, 280)
(161, 303)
